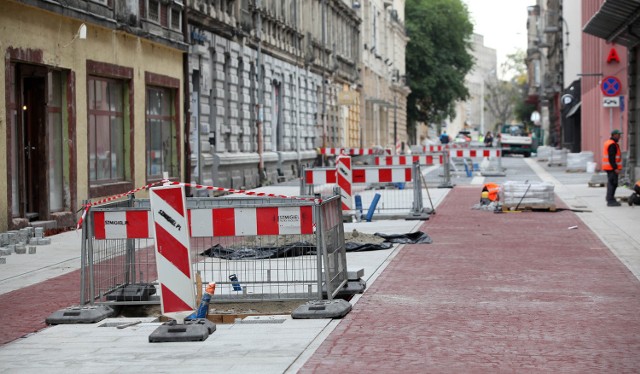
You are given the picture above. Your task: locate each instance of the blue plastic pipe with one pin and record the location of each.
(372, 207)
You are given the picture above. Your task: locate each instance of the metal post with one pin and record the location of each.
(260, 115)
(482, 106)
(83, 255)
(395, 123)
(324, 88)
(317, 213)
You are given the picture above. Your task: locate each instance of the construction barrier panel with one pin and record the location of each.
(254, 248)
(426, 160)
(395, 184)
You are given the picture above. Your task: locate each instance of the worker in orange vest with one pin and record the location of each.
(634, 199)
(612, 164)
(489, 193)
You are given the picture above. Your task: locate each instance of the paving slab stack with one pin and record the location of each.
(22, 241)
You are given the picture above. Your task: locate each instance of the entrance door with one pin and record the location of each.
(31, 136)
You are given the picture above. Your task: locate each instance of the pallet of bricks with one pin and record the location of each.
(527, 196)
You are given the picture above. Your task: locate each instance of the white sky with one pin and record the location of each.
(503, 23)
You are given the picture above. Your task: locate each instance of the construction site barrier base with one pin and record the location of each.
(190, 331)
(318, 309)
(77, 315)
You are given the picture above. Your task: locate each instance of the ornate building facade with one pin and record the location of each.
(265, 79)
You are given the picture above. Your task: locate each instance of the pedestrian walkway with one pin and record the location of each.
(508, 292)
(512, 292)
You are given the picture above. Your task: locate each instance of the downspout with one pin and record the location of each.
(259, 107)
(187, 97)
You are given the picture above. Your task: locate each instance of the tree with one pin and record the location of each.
(438, 59)
(504, 98)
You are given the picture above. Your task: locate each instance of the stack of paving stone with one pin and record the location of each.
(536, 195)
(578, 161)
(18, 241)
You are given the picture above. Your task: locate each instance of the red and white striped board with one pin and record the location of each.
(251, 221)
(320, 176)
(173, 255)
(354, 151)
(408, 160)
(209, 222)
(392, 174)
(344, 178)
(382, 175)
(473, 153)
(131, 224)
(440, 148)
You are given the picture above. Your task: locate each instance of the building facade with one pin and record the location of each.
(384, 106)
(94, 109)
(473, 114)
(267, 81)
(610, 44)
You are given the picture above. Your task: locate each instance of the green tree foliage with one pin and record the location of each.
(438, 58)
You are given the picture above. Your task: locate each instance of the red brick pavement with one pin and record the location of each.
(25, 310)
(510, 292)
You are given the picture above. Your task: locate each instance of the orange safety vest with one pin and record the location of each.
(605, 158)
(493, 190)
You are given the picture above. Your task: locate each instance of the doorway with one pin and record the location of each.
(31, 135)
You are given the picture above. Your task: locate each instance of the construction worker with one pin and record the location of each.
(612, 164)
(634, 199)
(492, 190)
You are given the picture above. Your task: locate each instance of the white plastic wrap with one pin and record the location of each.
(527, 195)
(543, 152)
(558, 157)
(578, 161)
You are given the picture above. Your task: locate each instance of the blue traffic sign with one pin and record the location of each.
(611, 86)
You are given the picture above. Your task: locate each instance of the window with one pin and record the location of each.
(162, 140)
(106, 130)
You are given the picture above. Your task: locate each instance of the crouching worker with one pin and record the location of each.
(490, 193)
(634, 199)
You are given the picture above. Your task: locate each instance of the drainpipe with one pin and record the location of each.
(187, 97)
(259, 107)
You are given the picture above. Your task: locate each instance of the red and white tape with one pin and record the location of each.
(197, 186)
(111, 198)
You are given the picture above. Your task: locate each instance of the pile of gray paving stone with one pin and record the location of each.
(21, 241)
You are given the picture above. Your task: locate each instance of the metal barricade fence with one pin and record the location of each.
(254, 248)
(395, 185)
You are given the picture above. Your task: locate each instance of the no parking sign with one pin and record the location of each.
(611, 86)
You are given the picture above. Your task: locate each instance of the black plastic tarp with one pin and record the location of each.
(417, 237)
(307, 248)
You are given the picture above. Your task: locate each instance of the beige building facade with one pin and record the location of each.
(384, 108)
(89, 111)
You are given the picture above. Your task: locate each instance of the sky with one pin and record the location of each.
(503, 23)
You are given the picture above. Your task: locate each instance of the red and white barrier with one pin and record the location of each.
(408, 160)
(173, 254)
(360, 175)
(440, 148)
(354, 151)
(251, 221)
(473, 153)
(210, 222)
(131, 224)
(344, 178)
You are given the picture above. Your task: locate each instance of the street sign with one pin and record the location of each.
(611, 86)
(611, 102)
